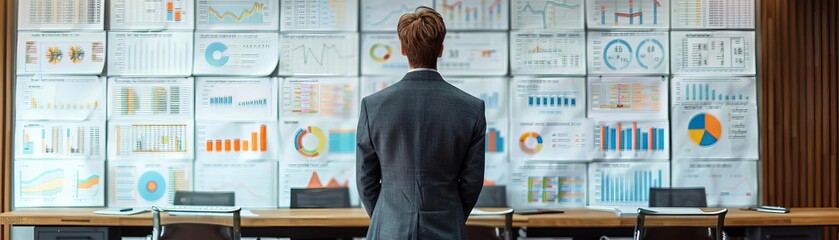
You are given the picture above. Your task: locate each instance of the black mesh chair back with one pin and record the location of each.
(492, 196)
(205, 198)
(320, 197)
(714, 232)
(190, 231)
(678, 197)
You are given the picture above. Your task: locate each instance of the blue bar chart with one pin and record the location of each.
(626, 184)
(634, 139)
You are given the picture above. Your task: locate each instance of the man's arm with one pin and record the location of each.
(368, 170)
(472, 174)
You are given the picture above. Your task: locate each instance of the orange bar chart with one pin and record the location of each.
(258, 142)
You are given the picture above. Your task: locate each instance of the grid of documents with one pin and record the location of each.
(588, 102)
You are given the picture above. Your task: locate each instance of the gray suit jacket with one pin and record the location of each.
(420, 158)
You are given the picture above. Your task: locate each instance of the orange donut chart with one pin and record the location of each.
(523, 145)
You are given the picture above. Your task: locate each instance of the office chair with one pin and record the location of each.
(643, 232)
(205, 198)
(492, 196)
(189, 231)
(678, 197)
(320, 197)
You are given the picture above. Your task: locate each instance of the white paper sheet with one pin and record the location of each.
(625, 184)
(58, 183)
(61, 15)
(148, 183)
(474, 14)
(60, 98)
(646, 139)
(236, 99)
(239, 54)
(150, 53)
(238, 15)
(714, 118)
(537, 139)
(60, 140)
(623, 14)
(548, 14)
(61, 53)
(319, 98)
(548, 52)
(151, 15)
(319, 15)
(236, 141)
(383, 15)
(313, 140)
(316, 174)
(711, 14)
(547, 184)
(258, 189)
(322, 54)
(150, 139)
(726, 183)
(628, 53)
(150, 98)
(538, 99)
(474, 54)
(382, 55)
(717, 52)
(628, 97)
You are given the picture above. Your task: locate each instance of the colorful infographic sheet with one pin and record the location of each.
(537, 184)
(150, 98)
(383, 15)
(381, 54)
(625, 184)
(319, 98)
(627, 97)
(61, 53)
(236, 141)
(61, 15)
(726, 183)
(319, 15)
(714, 118)
(474, 14)
(317, 141)
(543, 52)
(316, 174)
(150, 53)
(60, 140)
(153, 15)
(257, 189)
(623, 14)
(147, 183)
(474, 54)
(58, 183)
(238, 15)
(548, 14)
(239, 54)
(322, 54)
(637, 140)
(548, 98)
(717, 52)
(150, 139)
(236, 99)
(60, 98)
(713, 14)
(628, 53)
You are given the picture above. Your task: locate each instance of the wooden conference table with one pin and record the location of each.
(357, 218)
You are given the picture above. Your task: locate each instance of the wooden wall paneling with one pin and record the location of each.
(6, 61)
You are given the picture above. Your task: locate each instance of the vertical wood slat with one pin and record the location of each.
(799, 108)
(6, 54)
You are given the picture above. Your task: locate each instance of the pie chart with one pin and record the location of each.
(151, 186)
(704, 129)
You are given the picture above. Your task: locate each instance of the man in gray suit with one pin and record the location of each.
(420, 144)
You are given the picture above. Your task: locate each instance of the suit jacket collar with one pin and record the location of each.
(422, 76)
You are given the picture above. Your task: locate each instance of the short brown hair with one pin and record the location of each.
(421, 34)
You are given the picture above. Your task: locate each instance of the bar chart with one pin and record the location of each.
(626, 184)
(628, 13)
(159, 139)
(632, 140)
(494, 141)
(223, 141)
(236, 99)
(141, 97)
(474, 14)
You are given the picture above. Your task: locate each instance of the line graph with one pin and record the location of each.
(548, 14)
(382, 15)
(628, 13)
(236, 14)
(307, 54)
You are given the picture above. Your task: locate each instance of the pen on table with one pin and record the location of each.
(125, 209)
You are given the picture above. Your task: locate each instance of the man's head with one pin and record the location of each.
(421, 34)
